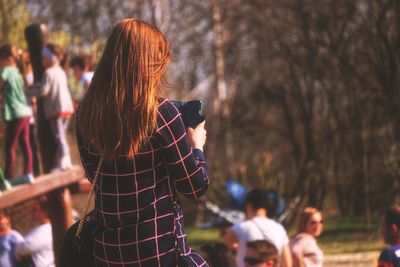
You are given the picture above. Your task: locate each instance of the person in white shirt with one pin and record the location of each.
(38, 242)
(57, 102)
(257, 227)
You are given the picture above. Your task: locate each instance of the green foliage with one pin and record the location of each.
(198, 237)
(74, 44)
(14, 16)
(63, 38)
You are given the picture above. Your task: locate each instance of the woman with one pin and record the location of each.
(25, 67)
(304, 247)
(147, 154)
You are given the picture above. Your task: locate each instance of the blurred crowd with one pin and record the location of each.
(262, 242)
(35, 249)
(19, 96)
(257, 241)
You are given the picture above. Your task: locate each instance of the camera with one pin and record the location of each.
(192, 112)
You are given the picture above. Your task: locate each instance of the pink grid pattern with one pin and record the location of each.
(139, 214)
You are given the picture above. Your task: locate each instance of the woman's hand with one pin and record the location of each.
(197, 137)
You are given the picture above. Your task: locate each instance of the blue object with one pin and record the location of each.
(237, 195)
(277, 203)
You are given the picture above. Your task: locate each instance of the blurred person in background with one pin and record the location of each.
(390, 230)
(217, 254)
(25, 67)
(83, 73)
(261, 253)
(304, 247)
(38, 242)
(257, 227)
(17, 114)
(57, 102)
(9, 239)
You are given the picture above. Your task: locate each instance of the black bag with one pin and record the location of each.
(78, 251)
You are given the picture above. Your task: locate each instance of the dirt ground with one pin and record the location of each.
(365, 259)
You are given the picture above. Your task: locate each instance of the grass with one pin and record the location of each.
(350, 236)
(339, 236)
(198, 237)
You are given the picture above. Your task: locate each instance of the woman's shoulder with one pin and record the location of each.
(4, 72)
(303, 238)
(168, 115)
(167, 109)
(8, 71)
(164, 103)
(54, 71)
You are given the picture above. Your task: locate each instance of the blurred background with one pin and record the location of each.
(300, 96)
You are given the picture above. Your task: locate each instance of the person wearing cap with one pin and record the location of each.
(57, 102)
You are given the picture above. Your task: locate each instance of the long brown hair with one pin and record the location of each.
(118, 113)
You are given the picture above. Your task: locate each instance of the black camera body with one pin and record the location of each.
(192, 112)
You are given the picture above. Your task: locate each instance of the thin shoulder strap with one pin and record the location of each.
(259, 228)
(89, 199)
(262, 232)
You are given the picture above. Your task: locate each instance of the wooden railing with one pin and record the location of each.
(43, 185)
(55, 187)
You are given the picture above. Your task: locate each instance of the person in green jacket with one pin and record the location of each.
(16, 114)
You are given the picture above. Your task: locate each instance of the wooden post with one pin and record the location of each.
(36, 36)
(61, 218)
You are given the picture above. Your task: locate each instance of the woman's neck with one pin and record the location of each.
(11, 63)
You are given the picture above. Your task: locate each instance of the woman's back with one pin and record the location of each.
(139, 215)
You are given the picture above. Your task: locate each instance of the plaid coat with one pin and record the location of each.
(140, 221)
